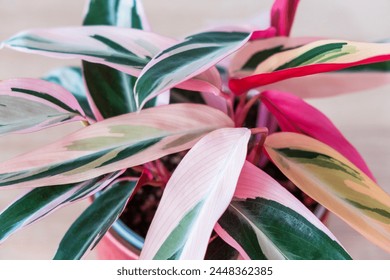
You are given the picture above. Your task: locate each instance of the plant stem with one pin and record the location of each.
(242, 114)
(254, 155)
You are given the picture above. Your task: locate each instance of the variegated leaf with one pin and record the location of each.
(113, 144)
(316, 57)
(246, 59)
(124, 49)
(292, 114)
(28, 105)
(357, 78)
(111, 91)
(40, 202)
(265, 221)
(332, 180)
(185, 60)
(95, 221)
(195, 197)
(71, 79)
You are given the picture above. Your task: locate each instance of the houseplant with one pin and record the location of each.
(84, 160)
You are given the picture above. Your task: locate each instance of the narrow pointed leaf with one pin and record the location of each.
(124, 49)
(282, 16)
(265, 221)
(313, 58)
(357, 78)
(72, 80)
(195, 197)
(185, 60)
(332, 180)
(111, 91)
(113, 144)
(40, 202)
(28, 105)
(95, 221)
(292, 114)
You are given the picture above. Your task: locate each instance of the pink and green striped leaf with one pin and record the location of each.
(124, 49)
(28, 105)
(196, 196)
(95, 221)
(110, 90)
(113, 144)
(332, 180)
(265, 221)
(127, 50)
(40, 202)
(353, 79)
(313, 58)
(246, 59)
(71, 78)
(292, 114)
(282, 16)
(185, 60)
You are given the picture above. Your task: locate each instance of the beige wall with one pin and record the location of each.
(364, 117)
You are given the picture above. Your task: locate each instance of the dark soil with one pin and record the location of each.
(139, 214)
(275, 173)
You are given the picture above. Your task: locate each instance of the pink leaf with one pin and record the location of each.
(113, 144)
(295, 115)
(313, 58)
(195, 197)
(124, 49)
(29, 105)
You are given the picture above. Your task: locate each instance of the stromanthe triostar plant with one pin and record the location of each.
(219, 188)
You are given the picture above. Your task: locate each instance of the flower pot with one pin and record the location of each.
(119, 243)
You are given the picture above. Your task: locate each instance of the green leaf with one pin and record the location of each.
(124, 13)
(267, 229)
(111, 90)
(95, 221)
(40, 202)
(185, 60)
(265, 221)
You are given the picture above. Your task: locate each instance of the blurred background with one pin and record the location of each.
(363, 117)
